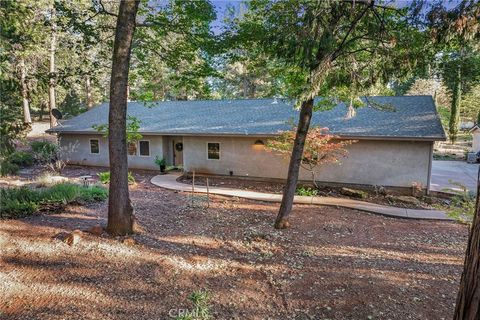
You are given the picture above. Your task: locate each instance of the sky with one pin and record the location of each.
(221, 8)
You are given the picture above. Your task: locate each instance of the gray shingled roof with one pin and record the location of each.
(415, 117)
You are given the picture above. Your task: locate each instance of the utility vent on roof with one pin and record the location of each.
(274, 101)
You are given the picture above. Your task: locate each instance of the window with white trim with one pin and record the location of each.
(144, 147)
(213, 151)
(94, 146)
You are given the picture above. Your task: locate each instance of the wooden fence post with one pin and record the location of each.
(208, 196)
(193, 187)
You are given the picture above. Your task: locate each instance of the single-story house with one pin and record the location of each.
(227, 137)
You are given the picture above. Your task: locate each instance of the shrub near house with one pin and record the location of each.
(21, 202)
(104, 177)
(14, 161)
(43, 152)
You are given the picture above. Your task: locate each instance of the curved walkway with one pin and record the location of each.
(169, 181)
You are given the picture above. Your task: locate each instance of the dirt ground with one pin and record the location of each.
(387, 198)
(333, 263)
(445, 150)
(233, 182)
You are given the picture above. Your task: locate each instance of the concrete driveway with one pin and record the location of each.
(457, 171)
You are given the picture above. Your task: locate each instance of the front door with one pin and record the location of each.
(177, 145)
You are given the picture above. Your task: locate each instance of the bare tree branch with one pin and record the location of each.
(105, 11)
(352, 26)
(371, 3)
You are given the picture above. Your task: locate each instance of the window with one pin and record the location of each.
(213, 151)
(144, 147)
(94, 146)
(132, 149)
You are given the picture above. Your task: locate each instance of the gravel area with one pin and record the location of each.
(333, 263)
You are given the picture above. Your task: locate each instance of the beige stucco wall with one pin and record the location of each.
(386, 163)
(79, 146)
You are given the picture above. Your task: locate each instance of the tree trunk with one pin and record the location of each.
(52, 80)
(294, 166)
(468, 298)
(42, 110)
(120, 209)
(252, 88)
(88, 93)
(27, 119)
(455, 110)
(245, 87)
(182, 96)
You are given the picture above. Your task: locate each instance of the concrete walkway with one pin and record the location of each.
(457, 171)
(169, 181)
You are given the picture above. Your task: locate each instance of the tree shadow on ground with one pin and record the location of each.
(333, 263)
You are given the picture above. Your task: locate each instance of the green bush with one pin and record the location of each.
(22, 194)
(60, 193)
(7, 168)
(40, 146)
(160, 161)
(20, 158)
(18, 202)
(462, 204)
(201, 307)
(306, 191)
(104, 177)
(94, 193)
(444, 113)
(21, 202)
(17, 209)
(44, 151)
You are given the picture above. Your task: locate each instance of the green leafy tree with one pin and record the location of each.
(320, 148)
(52, 56)
(21, 39)
(456, 38)
(17, 46)
(455, 32)
(132, 127)
(12, 126)
(471, 104)
(335, 49)
(461, 73)
(84, 52)
(172, 51)
(72, 105)
(246, 71)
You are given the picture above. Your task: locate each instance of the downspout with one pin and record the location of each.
(430, 160)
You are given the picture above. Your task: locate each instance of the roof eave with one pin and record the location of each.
(349, 137)
(399, 138)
